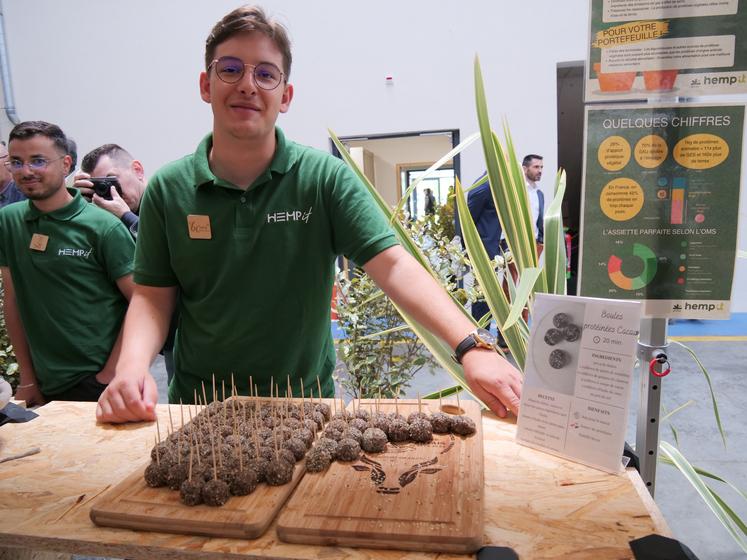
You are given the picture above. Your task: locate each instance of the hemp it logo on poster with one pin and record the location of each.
(688, 306)
(718, 80)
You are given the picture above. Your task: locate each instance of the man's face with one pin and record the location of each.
(5, 176)
(533, 171)
(43, 183)
(242, 110)
(130, 176)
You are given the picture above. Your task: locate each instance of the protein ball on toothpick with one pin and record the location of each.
(318, 460)
(215, 493)
(348, 450)
(421, 430)
(374, 440)
(463, 425)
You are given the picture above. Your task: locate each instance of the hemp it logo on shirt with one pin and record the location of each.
(74, 252)
(292, 216)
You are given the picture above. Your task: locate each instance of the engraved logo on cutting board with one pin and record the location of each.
(410, 474)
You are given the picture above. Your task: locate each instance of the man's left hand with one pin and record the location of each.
(116, 205)
(493, 380)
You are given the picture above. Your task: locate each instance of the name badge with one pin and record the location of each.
(39, 242)
(199, 227)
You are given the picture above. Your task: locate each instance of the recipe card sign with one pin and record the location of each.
(577, 378)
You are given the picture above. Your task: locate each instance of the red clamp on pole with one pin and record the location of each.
(660, 359)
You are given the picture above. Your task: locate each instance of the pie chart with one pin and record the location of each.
(619, 279)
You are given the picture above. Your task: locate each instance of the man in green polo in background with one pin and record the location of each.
(248, 228)
(66, 268)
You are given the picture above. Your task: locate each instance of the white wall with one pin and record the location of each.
(126, 71)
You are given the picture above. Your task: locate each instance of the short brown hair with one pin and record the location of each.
(29, 129)
(244, 20)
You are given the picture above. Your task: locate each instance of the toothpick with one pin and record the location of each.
(171, 420)
(215, 395)
(459, 406)
(223, 385)
(319, 388)
(189, 476)
(204, 395)
(158, 455)
(303, 405)
(396, 402)
(420, 407)
(440, 406)
(181, 412)
(158, 429)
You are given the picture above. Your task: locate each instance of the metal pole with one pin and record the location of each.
(652, 344)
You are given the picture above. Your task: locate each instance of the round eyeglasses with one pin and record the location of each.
(34, 164)
(230, 70)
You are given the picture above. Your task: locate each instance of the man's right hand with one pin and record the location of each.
(128, 398)
(85, 186)
(32, 396)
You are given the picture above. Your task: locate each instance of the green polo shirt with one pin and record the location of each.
(255, 268)
(67, 296)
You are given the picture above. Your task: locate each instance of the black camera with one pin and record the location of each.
(102, 186)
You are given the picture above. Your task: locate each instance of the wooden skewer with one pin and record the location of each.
(420, 407)
(223, 389)
(158, 429)
(215, 395)
(204, 395)
(396, 402)
(158, 455)
(459, 406)
(181, 412)
(319, 388)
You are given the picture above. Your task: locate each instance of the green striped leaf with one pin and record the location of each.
(482, 267)
(704, 371)
(555, 254)
(715, 504)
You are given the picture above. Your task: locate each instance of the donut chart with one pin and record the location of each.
(619, 279)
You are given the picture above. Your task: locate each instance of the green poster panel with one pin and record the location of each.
(660, 207)
(642, 49)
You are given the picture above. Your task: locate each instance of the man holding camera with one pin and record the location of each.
(115, 181)
(67, 273)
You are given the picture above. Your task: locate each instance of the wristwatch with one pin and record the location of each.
(479, 338)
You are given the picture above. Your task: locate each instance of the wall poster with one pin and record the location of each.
(684, 48)
(660, 207)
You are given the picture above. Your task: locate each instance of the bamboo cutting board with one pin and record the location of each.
(425, 497)
(132, 504)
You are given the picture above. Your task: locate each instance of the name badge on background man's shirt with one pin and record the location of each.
(39, 242)
(199, 226)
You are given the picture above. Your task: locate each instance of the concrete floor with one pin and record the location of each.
(689, 518)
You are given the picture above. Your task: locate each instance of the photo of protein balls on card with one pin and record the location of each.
(555, 345)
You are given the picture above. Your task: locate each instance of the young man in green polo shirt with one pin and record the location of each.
(66, 268)
(248, 228)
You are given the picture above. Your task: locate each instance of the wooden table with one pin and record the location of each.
(541, 506)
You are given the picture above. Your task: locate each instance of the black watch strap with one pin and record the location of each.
(467, 344)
